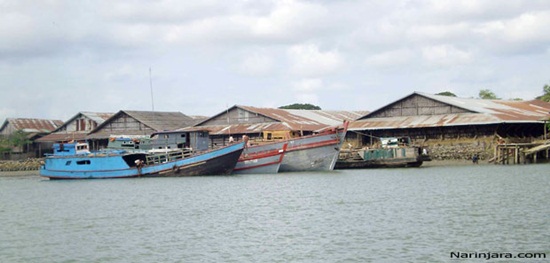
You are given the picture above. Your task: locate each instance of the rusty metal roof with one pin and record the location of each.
(98, 117)
(162, 120)
(481, 112)
(63, 136)
(516, 109)
(60, 134)
(155, 120)
(306, 117)
(32, 125)
(255, 128)
(512, 108)
(515, 112)
(283, 120)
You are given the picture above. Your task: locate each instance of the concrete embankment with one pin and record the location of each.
(23, 165)
(460, 151)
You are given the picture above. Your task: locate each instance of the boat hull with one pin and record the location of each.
(313, 153)
(362, 164)
(261, 159)
(382, 158)
(216, 162)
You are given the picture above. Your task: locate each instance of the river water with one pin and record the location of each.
(380, 215)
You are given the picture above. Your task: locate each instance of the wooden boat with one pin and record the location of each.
(261, 159)
(75, 161)
(317, 152)
(394, 152)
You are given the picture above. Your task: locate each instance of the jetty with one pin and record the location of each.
(521, 153)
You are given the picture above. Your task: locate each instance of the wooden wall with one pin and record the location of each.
(415, 106)
(124, 123)
(237, 116)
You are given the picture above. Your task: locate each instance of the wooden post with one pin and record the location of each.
(516, 155)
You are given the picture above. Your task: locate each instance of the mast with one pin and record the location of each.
(151, 85)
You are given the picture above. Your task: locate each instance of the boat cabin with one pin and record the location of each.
(164, 140)
(394, 142)
(71, 148)
(279, 135)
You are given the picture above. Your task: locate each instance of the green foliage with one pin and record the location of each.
(17, 139)
(516, 99)
(487, 94)
(446, 93)
(4, 144)
(300, 106)
(546, 95)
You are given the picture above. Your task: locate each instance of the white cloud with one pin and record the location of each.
(256, 64)
(308, 85)
(391, 58)
(445, 55)
(209, 54)
(290, 19)
(527, 31)
(308, 60)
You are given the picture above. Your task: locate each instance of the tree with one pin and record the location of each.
(487, 94)
(18, 139)
(300, 106)
(446, 93)
(546, 95)
(4, 144)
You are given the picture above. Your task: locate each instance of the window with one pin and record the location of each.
(68, 163)
(83, 162)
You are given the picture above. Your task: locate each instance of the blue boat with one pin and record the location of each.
(75, 161)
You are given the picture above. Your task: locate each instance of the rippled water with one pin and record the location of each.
(383, 215)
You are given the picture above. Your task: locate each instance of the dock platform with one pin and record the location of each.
(521, 153)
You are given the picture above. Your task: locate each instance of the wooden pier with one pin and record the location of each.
(521, 153)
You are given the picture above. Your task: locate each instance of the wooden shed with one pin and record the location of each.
(126, 122)
(434, 119)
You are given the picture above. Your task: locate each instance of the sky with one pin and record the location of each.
(58, 58)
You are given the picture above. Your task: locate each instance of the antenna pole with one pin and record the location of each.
(151, 85)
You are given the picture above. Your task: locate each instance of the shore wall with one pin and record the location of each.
(460, 149)
(24, 165)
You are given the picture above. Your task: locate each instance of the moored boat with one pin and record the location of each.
(394, 152)
(261, 159)
(317, 152)
(75, 161)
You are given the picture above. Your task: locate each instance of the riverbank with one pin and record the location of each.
(31, 164)
(19, 173)
(435, 163)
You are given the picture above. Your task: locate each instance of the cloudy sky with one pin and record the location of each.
(61, 57)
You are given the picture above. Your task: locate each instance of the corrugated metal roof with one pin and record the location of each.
(155, 120)
(289, 120)
(520, 109)
(306, 117)
(254, 128)
(98, 117)
(63, 136)
(483, 112)
(162, 120)
(33, 125)
(440, 120)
